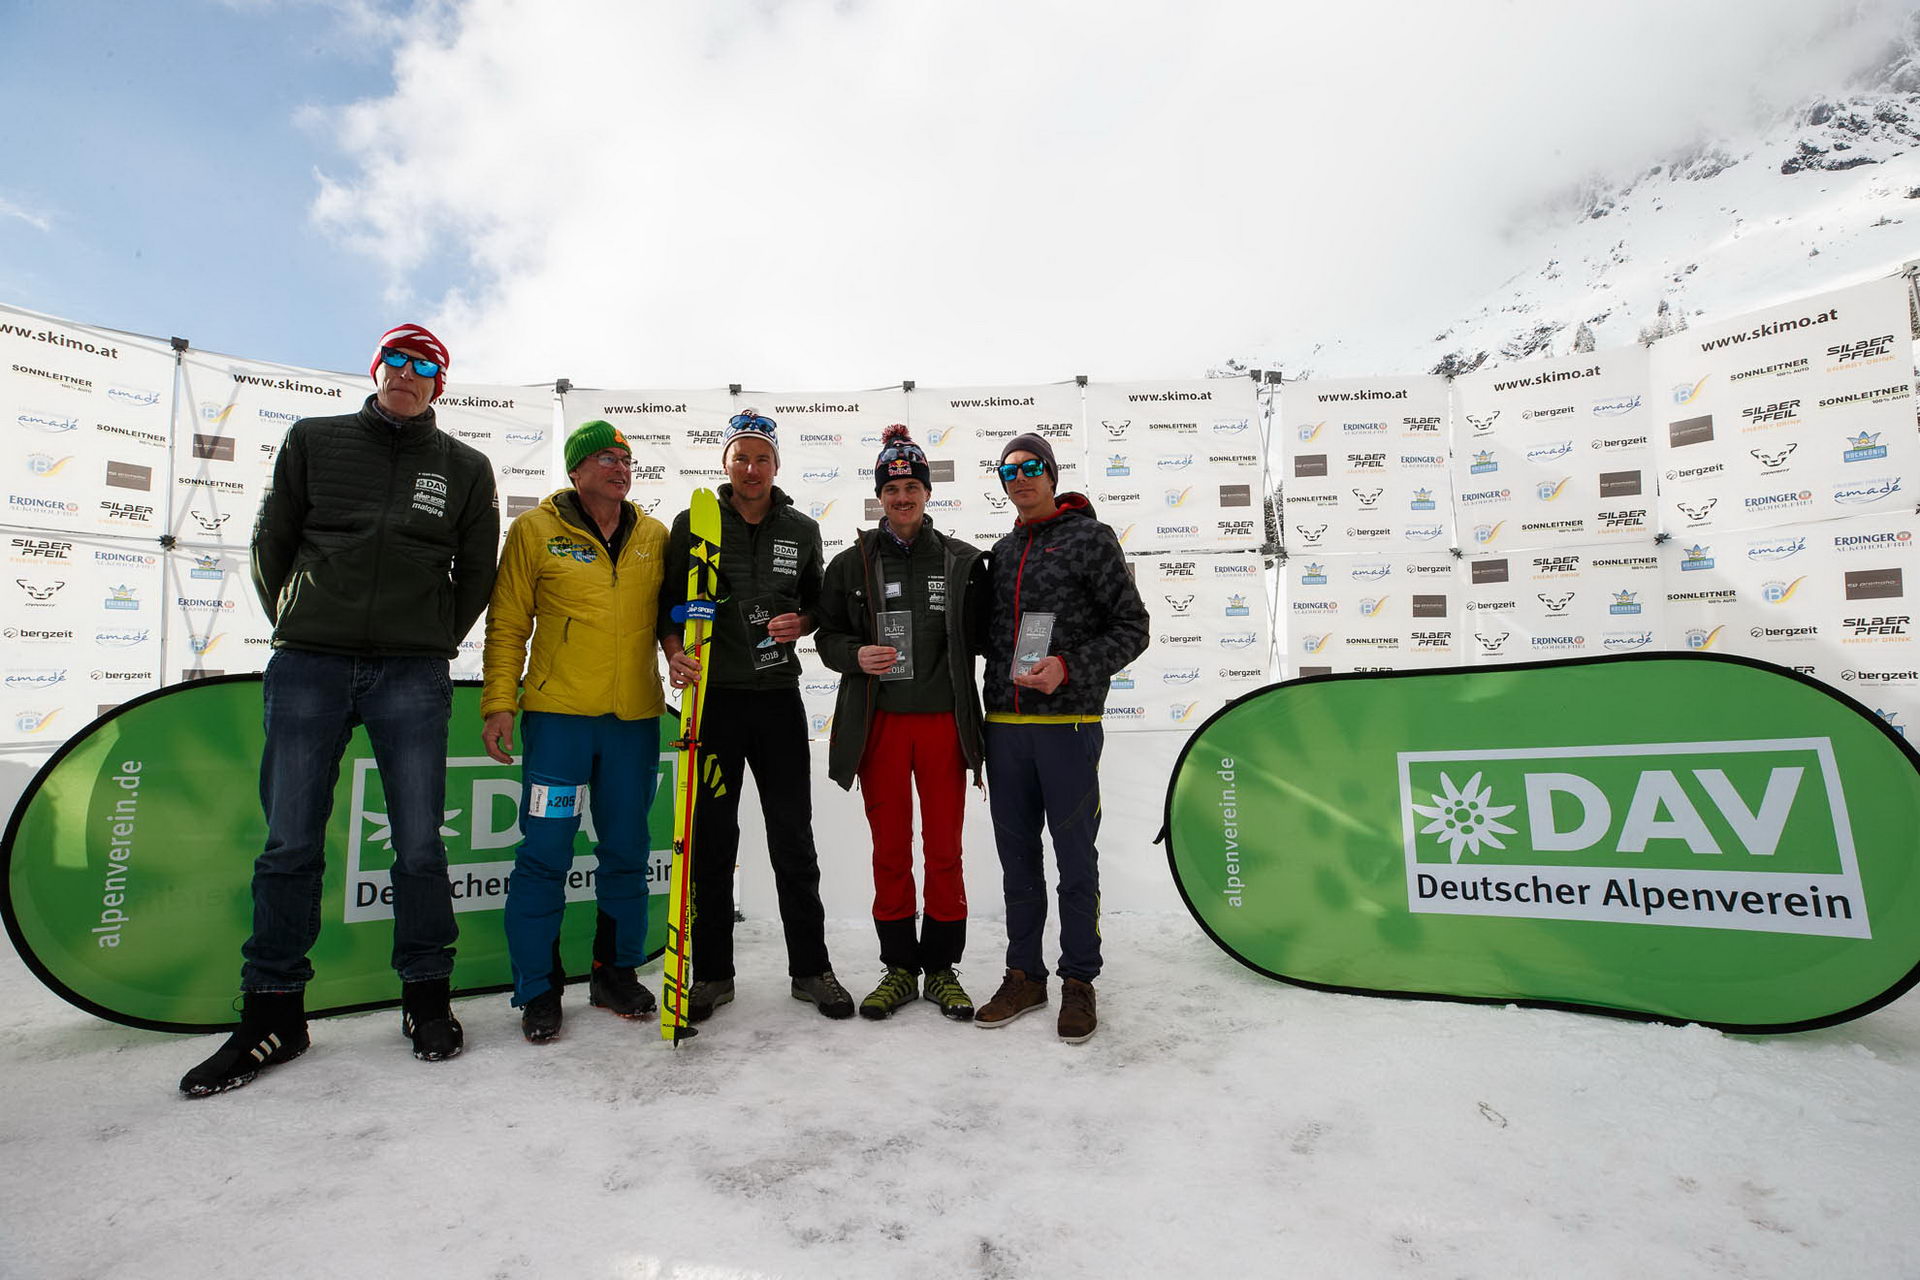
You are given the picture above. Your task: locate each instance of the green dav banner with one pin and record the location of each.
(1684, 837)
(129, 859)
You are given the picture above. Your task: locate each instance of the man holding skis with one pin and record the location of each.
(770, 569)
(374, 555)
(1065, 617)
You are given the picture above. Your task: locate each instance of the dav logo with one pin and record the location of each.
(1733, 834)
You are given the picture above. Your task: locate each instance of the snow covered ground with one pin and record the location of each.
(1220, 1124)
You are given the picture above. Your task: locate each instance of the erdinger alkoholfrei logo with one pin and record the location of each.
(1742, 834)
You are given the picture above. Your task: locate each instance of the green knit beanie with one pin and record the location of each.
(591, 438)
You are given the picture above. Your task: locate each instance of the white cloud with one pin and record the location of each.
(38, 221)
(821, 194)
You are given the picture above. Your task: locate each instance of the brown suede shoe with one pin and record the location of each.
(1017, 994)
(1077, 1020)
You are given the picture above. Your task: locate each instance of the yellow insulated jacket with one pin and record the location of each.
(591, 617)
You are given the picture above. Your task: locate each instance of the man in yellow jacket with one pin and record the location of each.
(580, 575)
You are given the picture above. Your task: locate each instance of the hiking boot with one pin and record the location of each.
(540, 1017)
(273, 1030)
(944, 989)
(825, 993)
(1017, 994)
(1076, 1010)
(704, 997)
(617, 989)
(427, 1019)
(895, 989)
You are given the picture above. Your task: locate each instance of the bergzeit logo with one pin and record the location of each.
(1744, 834)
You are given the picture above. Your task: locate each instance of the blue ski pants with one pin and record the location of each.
(615, 763)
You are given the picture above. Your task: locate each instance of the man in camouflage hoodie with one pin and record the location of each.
(1065, 616)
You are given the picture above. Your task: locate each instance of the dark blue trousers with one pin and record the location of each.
(1048, 773)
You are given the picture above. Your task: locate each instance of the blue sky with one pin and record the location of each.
(842, 193)
(157, 178)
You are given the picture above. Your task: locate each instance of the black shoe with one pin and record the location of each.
(825, 993)
(427, 1019)
(273, 1030)
(540, 1017)
(618, 990)
(704, 997)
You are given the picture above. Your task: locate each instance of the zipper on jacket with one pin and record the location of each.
(380, 539)
(1019, 575)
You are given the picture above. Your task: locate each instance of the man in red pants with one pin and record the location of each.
(899, 621)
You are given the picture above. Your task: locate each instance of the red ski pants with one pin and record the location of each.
(923, 747)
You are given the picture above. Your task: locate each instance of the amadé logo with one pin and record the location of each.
(1743, 834)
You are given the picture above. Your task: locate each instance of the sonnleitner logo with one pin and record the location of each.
(1745, 834)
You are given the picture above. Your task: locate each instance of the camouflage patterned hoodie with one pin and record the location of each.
(1069, 565)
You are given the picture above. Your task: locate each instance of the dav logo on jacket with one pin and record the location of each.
(572, 548)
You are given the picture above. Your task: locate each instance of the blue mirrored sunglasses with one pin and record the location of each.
(399, 360)
(750, 422)
(1033, 467)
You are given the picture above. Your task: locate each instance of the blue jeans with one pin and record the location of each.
(617, 761)
(313, 701)
(1048, 773)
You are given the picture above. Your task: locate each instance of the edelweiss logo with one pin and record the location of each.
(1464, 817)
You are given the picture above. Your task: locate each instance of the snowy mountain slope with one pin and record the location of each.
(1825, 196)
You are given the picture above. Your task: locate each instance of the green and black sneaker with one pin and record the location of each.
(899, 987)
(944, 989)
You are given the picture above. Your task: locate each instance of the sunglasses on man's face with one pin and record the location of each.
(400, 359)
(1031, 467)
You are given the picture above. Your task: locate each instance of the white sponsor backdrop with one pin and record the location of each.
(1559, 456)
(1378, 612)
(1777, 451)
(967, 427)
(1802, 412)
(1176, 466)
(1364, 465)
